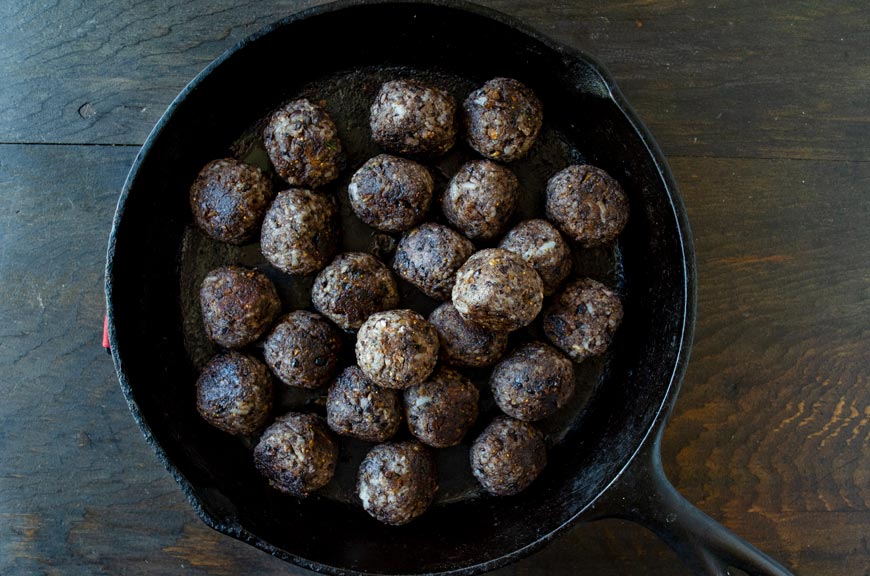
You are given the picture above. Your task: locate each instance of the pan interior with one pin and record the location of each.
(157, 261)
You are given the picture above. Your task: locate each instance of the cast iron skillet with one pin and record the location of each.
(605, 462)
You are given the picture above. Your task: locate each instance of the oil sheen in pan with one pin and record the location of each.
(348, 96)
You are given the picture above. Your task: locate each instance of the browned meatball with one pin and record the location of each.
(397, 482)
(496, 289)
(397, 348)
(481, 199)
(540, 244)
(228, 200)
(234, 393)
(353, 287)
(300, 231)
(461, 343)
(442, 409)
(391, 194)
(587, 204)
(358, 408)
(297, 454)
(429, 256)
(302, 349)
(238, 305)
(502, 119)
(303, 144)
(508, 456)
(409, 117)
(581, 321)
(532, 382)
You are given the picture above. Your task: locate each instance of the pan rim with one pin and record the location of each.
(687, 322)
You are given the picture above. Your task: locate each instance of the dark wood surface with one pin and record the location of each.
(763, 109)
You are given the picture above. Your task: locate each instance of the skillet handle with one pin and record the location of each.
(644, 495)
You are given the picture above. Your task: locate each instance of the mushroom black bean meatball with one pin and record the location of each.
(532, 382)
(587, 204)
(498, 290)
(502, 119)
(540, 244)
(429, 256)
(300, 231)
(352, 287)
(228, 200)
(397, 348)
(397, 482)
(507, 456)
(391, 194)
(297, 454)
(234, 393)
(302, 349)
(442, 409)
(358, 408)
(481, 199)
(461, 343)
(238, 305)
(581, 321)
(409, 117)
(302, 142)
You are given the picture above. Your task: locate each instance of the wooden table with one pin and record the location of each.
(763, 109)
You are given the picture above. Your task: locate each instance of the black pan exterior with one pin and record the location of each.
(142, 279)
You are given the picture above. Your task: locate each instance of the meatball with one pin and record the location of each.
(234, 393)
(397, 482)
(352, 287)
(496, 289)
(396, 349)
(409, 117)
(302, 350)
(358, 408)
(587, 204)
(502, 119)
(541, 245)
(532, 382)
(442, 409)
(461, 343)
(238, 305)
(429, 256)
(297, 454)
(581, 321)
(507, 456)
(300, 231)
(228, 200)
(302, 142)
(481, 199)
(391, 194)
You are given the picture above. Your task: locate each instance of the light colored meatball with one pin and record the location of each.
(442, 409)
(397, 348)
(234, 393)
(391, 194)
(300, 231)
(302, 349)
(429, 256)
(303, 144)
(397, 482)
(228, 200)
(498, 290)
(409, 117)
(358, 408)
(507, 456)
(540, 244)
(587, 204)
(238, 305)
(480, 199)
(461, 343)
(297, 454)
(502, 119)
(352, 287)
(582, 320)
(532, 382)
